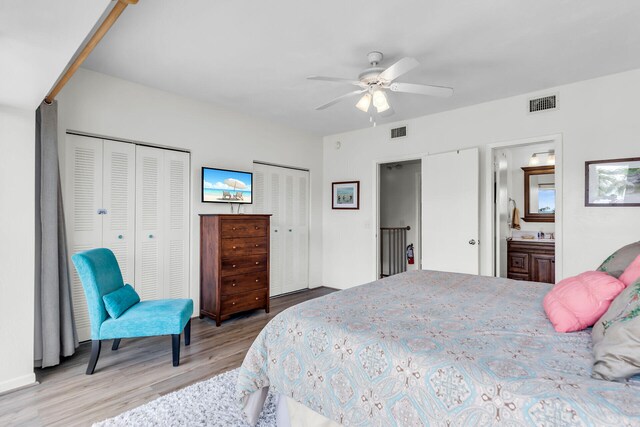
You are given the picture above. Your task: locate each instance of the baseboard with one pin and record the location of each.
(16, 383)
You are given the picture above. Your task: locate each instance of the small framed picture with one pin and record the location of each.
(612, 182)
(346, 195)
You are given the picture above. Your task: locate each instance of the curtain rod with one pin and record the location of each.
(120, 6)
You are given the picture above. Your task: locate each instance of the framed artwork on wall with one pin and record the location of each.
(613, 182)
(345, 195)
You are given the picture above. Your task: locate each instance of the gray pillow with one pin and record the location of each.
(616, 338)
(620, 259)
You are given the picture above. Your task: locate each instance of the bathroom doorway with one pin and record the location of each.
(400, 204)
(527, 203)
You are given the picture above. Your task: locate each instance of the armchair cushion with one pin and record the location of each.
(149, 318)
(119, 301)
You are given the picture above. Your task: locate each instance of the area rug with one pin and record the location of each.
(207, 403)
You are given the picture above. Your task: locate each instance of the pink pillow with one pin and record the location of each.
(631, 273)
(578, 302)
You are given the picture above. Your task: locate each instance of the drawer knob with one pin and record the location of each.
(257, 245)
(234, 247)
(257, 228)
(233, 266)
(257, 263)
(120, 236)
(233, 303)
(233, 284)
(234, 229)
(257, 298)
(257, 280)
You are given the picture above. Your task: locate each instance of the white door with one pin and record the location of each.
(450, 198)
(150, 200)
(176, 211)
(83, 199)
(119, 185)
(284, 193)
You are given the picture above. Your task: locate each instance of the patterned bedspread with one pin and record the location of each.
(434, 348)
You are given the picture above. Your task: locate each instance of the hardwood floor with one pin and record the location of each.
(138, 372)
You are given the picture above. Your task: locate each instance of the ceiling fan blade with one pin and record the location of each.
(335, 79)
(341, 98)
(399, 68)
(441, 91)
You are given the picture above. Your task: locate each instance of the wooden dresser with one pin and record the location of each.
(533, 261)
(234, 264)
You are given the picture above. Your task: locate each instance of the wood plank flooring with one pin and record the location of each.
(138, 372)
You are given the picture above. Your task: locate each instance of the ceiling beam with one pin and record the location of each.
(108, 22)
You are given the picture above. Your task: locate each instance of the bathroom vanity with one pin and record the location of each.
(531, 260)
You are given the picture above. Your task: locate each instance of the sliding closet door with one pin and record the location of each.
(82, 199)
(149, 266)
(176, 211)
(283, 193)
(118, 224)
(267, 199)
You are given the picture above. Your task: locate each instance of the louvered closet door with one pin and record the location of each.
(119, 184)
(176, 211)
(296, 230)
(150, 200)
(82, 198)
(283, 192)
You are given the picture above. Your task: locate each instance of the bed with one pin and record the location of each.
(432, 348)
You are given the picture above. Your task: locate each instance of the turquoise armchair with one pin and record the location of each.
(100, 275)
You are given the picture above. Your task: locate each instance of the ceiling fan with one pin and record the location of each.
(375, 81)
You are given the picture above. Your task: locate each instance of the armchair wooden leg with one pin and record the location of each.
(187, 333)
(95, 354)
(175, 343)
(116, 344)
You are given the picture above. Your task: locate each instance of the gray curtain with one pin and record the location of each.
(55, 330)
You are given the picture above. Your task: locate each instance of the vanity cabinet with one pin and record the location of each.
(533, 261)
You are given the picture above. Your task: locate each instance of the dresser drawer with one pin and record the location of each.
(236, 303)
(241, 265)
(243, 283)
(518, 276)
(243, 228)
(244, 246)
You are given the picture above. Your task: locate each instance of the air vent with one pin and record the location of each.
(400, 132)
(543, 104)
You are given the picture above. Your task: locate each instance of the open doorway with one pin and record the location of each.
(527, 195)
(400, 203)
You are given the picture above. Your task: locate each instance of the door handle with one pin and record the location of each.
(472, 242)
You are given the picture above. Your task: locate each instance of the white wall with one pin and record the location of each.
(597, 119)
(99, 104)
(17, 251)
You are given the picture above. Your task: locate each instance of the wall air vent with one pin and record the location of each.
(400, 132)
(543, 104)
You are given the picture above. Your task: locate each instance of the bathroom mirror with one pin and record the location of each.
(539, 194)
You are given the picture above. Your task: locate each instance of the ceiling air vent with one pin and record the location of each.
(543, 104)
(400, 132)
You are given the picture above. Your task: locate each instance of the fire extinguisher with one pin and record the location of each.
(410, 258)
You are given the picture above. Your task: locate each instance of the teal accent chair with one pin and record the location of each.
(100, 275)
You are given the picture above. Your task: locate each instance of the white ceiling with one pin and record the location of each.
(253, 56)
(37, 40)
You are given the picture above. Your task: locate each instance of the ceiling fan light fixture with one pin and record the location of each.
(364, 103)
(380, 101)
